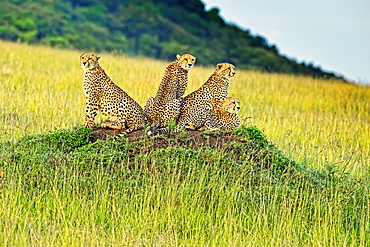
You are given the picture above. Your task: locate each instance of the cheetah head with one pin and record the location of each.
(226, 69)
(89, 61)
(186, 61)
(230, 105)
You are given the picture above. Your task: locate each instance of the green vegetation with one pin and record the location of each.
(325, 122)
(61, 189)
(154, 28)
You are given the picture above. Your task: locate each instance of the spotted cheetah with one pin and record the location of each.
(215, 89)
(223, 115)
(226, 114)
(165, 106)
(103, 95)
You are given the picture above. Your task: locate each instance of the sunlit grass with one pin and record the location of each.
(53, 197)
(96, 195)
(325, 122)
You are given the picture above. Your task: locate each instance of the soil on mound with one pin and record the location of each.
(193, 139)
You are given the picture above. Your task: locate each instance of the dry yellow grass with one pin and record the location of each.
(324, 122)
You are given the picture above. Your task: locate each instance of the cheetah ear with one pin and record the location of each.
(178, 56)
(219, 66)
(97, 57)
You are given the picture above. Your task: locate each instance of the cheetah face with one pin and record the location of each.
(230, 105)
(186, 61)
(89, 61)
(226, 69)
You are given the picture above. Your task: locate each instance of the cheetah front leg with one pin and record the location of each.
(91, 112)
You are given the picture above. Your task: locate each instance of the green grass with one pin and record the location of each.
(323, 121)
(59, 189)
(308, 186)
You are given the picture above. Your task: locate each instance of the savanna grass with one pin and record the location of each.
(59, 189)
(323, 122)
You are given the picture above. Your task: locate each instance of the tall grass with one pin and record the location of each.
(198, 211)
(323, 122)
(55, 192)
(61, 190)
(42, 87)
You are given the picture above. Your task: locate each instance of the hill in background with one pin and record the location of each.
(152, 28)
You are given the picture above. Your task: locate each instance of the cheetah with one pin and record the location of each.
(165, 106)
(226, 114)
(223, 115)
(103, 95)
(215, 89)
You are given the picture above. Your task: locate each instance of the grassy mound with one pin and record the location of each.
(196, 188)
(243, 153)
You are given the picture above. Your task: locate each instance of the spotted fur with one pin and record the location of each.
(199, 103)
(103, 95)
(165, 106)
(226, 114)
(221, 115)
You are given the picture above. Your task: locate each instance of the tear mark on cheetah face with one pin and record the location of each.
(186, 61)
(89, 61)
